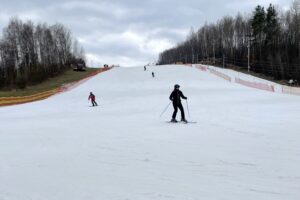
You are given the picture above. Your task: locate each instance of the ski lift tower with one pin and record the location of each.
(250, 39)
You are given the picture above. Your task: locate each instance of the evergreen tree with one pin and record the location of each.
(274, 43)
(272, 31)
(258, 23)
(272, 28)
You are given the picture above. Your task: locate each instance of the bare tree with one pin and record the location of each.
(30, 54)
(268, 39)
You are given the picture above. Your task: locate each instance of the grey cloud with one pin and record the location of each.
(128, 31)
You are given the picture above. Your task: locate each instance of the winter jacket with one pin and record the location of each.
(92, 97)
(175, 96)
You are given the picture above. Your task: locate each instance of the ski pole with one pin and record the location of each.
(165, 110)
(187, 105)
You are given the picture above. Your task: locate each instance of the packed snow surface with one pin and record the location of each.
(244, 146)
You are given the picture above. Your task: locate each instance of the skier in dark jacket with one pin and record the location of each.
(93, 99)
(175, 97)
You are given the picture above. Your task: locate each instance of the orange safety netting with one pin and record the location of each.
(5, 101)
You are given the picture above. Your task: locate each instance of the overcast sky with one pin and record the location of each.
(128, 32)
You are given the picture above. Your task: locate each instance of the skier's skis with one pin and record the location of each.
(182, 122)
(189, 122)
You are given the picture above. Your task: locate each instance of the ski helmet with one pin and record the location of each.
(176, 86)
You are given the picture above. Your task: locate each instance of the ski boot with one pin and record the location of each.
(174, 120)
(184, 120)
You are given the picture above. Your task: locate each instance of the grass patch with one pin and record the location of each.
(52, 83)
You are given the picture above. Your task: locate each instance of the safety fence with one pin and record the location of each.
(6, 101)
(261, 86)
(220, 74)
(257, 85)
(201, 67)
(252, 84)
(290, 90)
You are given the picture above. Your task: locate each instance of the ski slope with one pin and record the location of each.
(245, 146)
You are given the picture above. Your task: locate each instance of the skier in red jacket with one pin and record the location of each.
(93, 99)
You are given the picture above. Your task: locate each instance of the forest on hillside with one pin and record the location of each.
(269, 37)
(30, 54)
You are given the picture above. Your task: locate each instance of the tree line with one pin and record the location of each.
(30, 54)
(270, 38)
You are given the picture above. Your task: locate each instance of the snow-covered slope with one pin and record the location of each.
(245, 146)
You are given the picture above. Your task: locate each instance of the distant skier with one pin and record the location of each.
(145, 68)
(93, 99)
(175, 97)
(153, 74)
